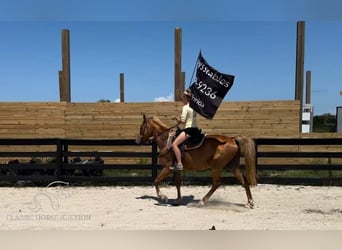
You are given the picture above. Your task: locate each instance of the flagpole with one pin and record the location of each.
(193, 72)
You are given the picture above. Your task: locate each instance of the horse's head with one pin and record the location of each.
(146, 132)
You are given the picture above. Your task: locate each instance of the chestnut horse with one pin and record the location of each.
(216, 153)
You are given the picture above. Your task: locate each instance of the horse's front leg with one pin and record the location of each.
(177, 178)
(162, 175)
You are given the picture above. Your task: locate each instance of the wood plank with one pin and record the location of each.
(95, 120)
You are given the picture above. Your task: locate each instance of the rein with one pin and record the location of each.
(168, 129)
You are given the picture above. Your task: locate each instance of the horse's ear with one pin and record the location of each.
(144, 116)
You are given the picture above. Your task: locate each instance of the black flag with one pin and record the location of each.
(208, 88)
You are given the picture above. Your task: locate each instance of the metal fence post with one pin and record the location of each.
(256, 155)
(154, 160)
(59, 158)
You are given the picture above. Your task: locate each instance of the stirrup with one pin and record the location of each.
(179, 167)
(176, 167)
(173, 167)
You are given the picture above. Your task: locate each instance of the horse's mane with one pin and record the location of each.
(157, 120)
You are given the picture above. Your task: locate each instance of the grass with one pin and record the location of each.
(300, 173)
(125, 172)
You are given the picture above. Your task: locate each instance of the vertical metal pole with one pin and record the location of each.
(300, 59)
(66, 96)
(308, 87)
(300, 67)
(182, 83)
(178, 65)
(122, 87)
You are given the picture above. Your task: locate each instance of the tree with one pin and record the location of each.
(324, 123)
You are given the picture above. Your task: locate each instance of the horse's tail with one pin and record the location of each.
(247, 149)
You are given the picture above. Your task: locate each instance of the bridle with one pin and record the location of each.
(144, 130)
(151, 138)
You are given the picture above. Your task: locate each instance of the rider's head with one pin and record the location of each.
(187, 93)
(186, 96)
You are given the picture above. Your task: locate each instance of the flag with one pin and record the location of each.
(208, 88)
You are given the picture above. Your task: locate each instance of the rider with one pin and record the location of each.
(189, 121)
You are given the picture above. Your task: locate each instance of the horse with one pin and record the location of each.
(215, 153)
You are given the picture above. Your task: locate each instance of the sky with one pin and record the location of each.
(258, 48)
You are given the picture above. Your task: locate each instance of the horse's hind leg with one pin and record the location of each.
(177, 179)
(243, 181)
(216, 182)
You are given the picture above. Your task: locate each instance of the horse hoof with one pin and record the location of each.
(201, 203)
(249, 205)
(164, 199)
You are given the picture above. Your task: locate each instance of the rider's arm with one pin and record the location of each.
(183, 116)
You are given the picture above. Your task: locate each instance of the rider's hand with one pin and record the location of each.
(176, 119)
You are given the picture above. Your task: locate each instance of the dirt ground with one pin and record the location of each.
(137, 208)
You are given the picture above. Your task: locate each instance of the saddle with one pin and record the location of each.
(194, 141)
(191, 143)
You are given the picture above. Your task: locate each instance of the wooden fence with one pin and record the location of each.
(122, 120)
(54, 161)
(63, 168)
(22, 123)
(318, 160)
